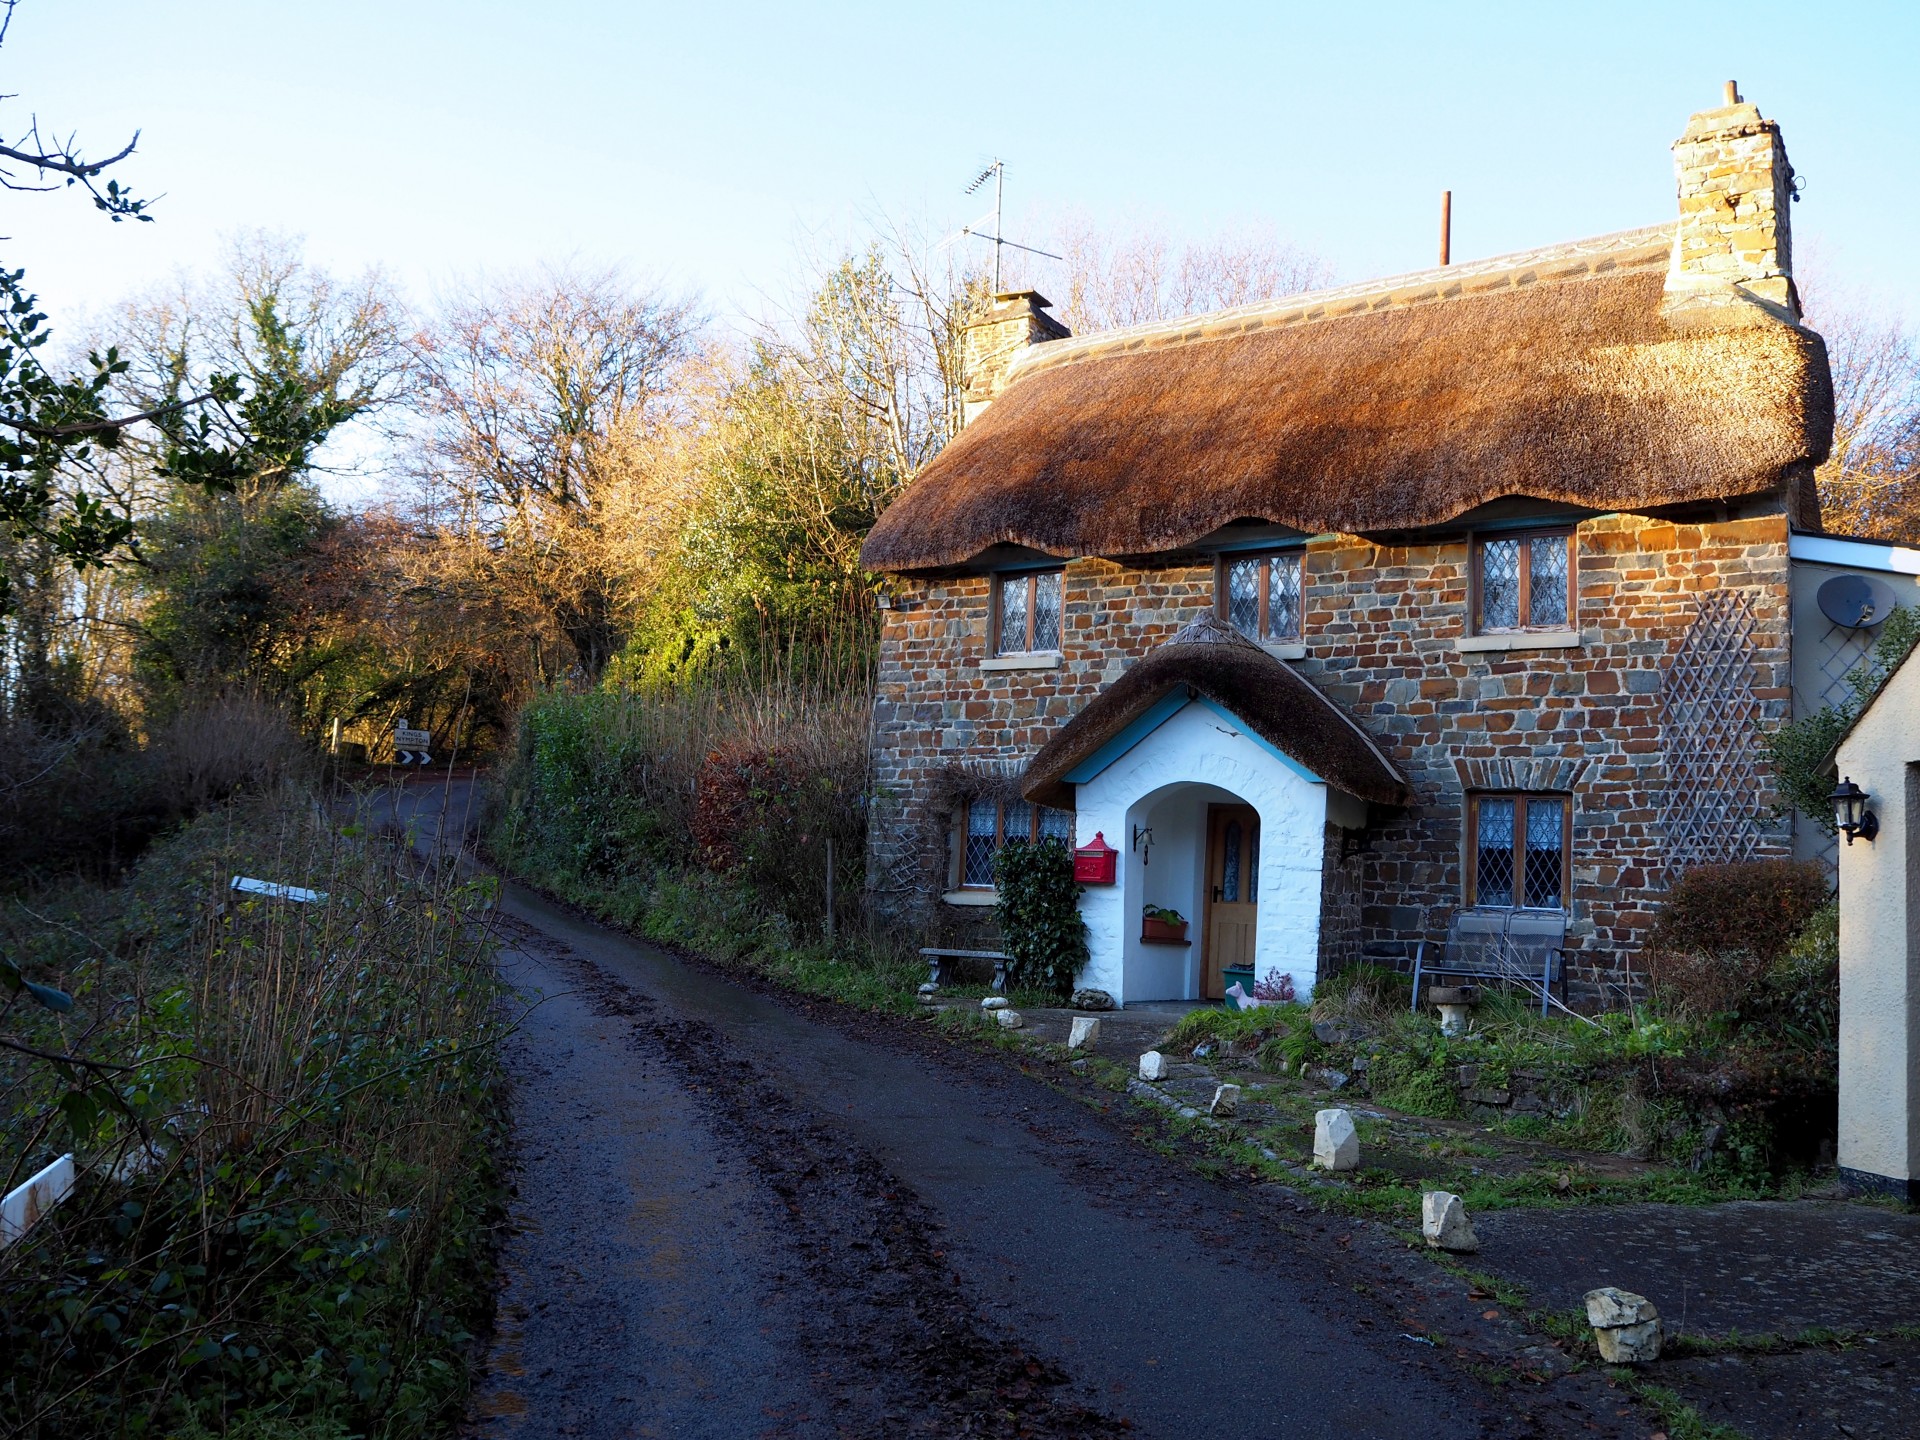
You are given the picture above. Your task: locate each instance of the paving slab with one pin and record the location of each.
(1869, 1391)
(1759, 1267)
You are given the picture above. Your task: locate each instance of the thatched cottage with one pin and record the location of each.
(1351, 615)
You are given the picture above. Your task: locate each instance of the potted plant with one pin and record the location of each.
(1163, 926)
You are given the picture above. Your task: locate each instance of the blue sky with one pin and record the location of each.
(704, 144)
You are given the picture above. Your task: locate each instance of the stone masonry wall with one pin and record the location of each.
(1380, 625)
(1735, 186)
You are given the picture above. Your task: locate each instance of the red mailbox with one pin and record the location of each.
(1094, 864)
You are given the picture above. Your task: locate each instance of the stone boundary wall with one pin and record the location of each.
(1380, 625)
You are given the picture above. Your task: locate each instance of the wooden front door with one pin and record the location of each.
(1233, 862)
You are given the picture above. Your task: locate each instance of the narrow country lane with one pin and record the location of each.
(743, 1214)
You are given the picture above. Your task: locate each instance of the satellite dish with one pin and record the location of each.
(1854, 601)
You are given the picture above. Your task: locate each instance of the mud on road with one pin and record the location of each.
(710, 1243)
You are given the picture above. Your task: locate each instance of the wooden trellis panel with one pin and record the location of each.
(1712, 807)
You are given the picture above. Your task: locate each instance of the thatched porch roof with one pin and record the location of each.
(1210, 659)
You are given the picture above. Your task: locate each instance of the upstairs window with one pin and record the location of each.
(1259, 595)
(1523, 582)
(989, 824)
(1026, 613)
(1518, 849)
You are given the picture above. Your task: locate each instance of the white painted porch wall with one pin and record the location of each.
(1880, 944)
(1197, 747)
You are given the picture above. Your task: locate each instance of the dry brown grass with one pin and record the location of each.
(225, 745)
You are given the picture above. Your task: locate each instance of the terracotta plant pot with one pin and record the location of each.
(1151, 929)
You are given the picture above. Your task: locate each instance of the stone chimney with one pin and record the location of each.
(1735, 237)
(1015, 320)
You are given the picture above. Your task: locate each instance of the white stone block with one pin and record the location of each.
(1153, 1066)
(1336, 1144)
(1443, 1220)
(1226, 1100)
(1625, 1325)
(1085, 1033)
(1008, 1019)
(995, 1002)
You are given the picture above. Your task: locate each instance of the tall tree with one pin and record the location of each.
(224, 569)
(1870, 483)
(1130, 276)
(549, 401)
(820, 424)
(50, 424)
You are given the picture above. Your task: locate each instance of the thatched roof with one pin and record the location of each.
(1210, 658)
(1558, 375)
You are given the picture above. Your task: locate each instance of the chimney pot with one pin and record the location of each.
(1733, 92)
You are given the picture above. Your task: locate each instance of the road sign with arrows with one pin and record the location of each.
(412, 747)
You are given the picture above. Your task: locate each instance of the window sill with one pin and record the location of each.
(1523, 920)
(972, 897)
(1039, 660)
(1287, 650)
(1519, 640)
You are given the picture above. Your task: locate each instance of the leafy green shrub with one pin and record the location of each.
(1411, 1070)
(1723, 928)
(1039, 914)
(1798, 751)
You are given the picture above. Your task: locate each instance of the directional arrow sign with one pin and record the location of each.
(410, 747)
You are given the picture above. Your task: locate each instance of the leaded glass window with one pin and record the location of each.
(1056, 825)
(1230, 865)
(1493, 853)
(989, 824)
(983, 842)
(1545, 862)
(1500, 585)
(1027, 618)
(1518, 851)
(1547, 581)
(1524, 582)
(1261, 595)
(1046, 611)
(1243, 596)
(1283, 598)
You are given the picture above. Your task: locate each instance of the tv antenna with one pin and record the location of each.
(996, 171)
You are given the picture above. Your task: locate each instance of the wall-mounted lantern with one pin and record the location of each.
(1850, 812)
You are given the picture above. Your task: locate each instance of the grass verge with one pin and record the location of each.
(287, 1120)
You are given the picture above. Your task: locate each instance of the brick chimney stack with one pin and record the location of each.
(1735, 237)
(1016, 320)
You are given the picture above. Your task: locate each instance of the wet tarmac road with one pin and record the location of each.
(742, 1214)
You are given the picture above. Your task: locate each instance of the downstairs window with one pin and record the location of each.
(989, 824)
(1518, 851)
